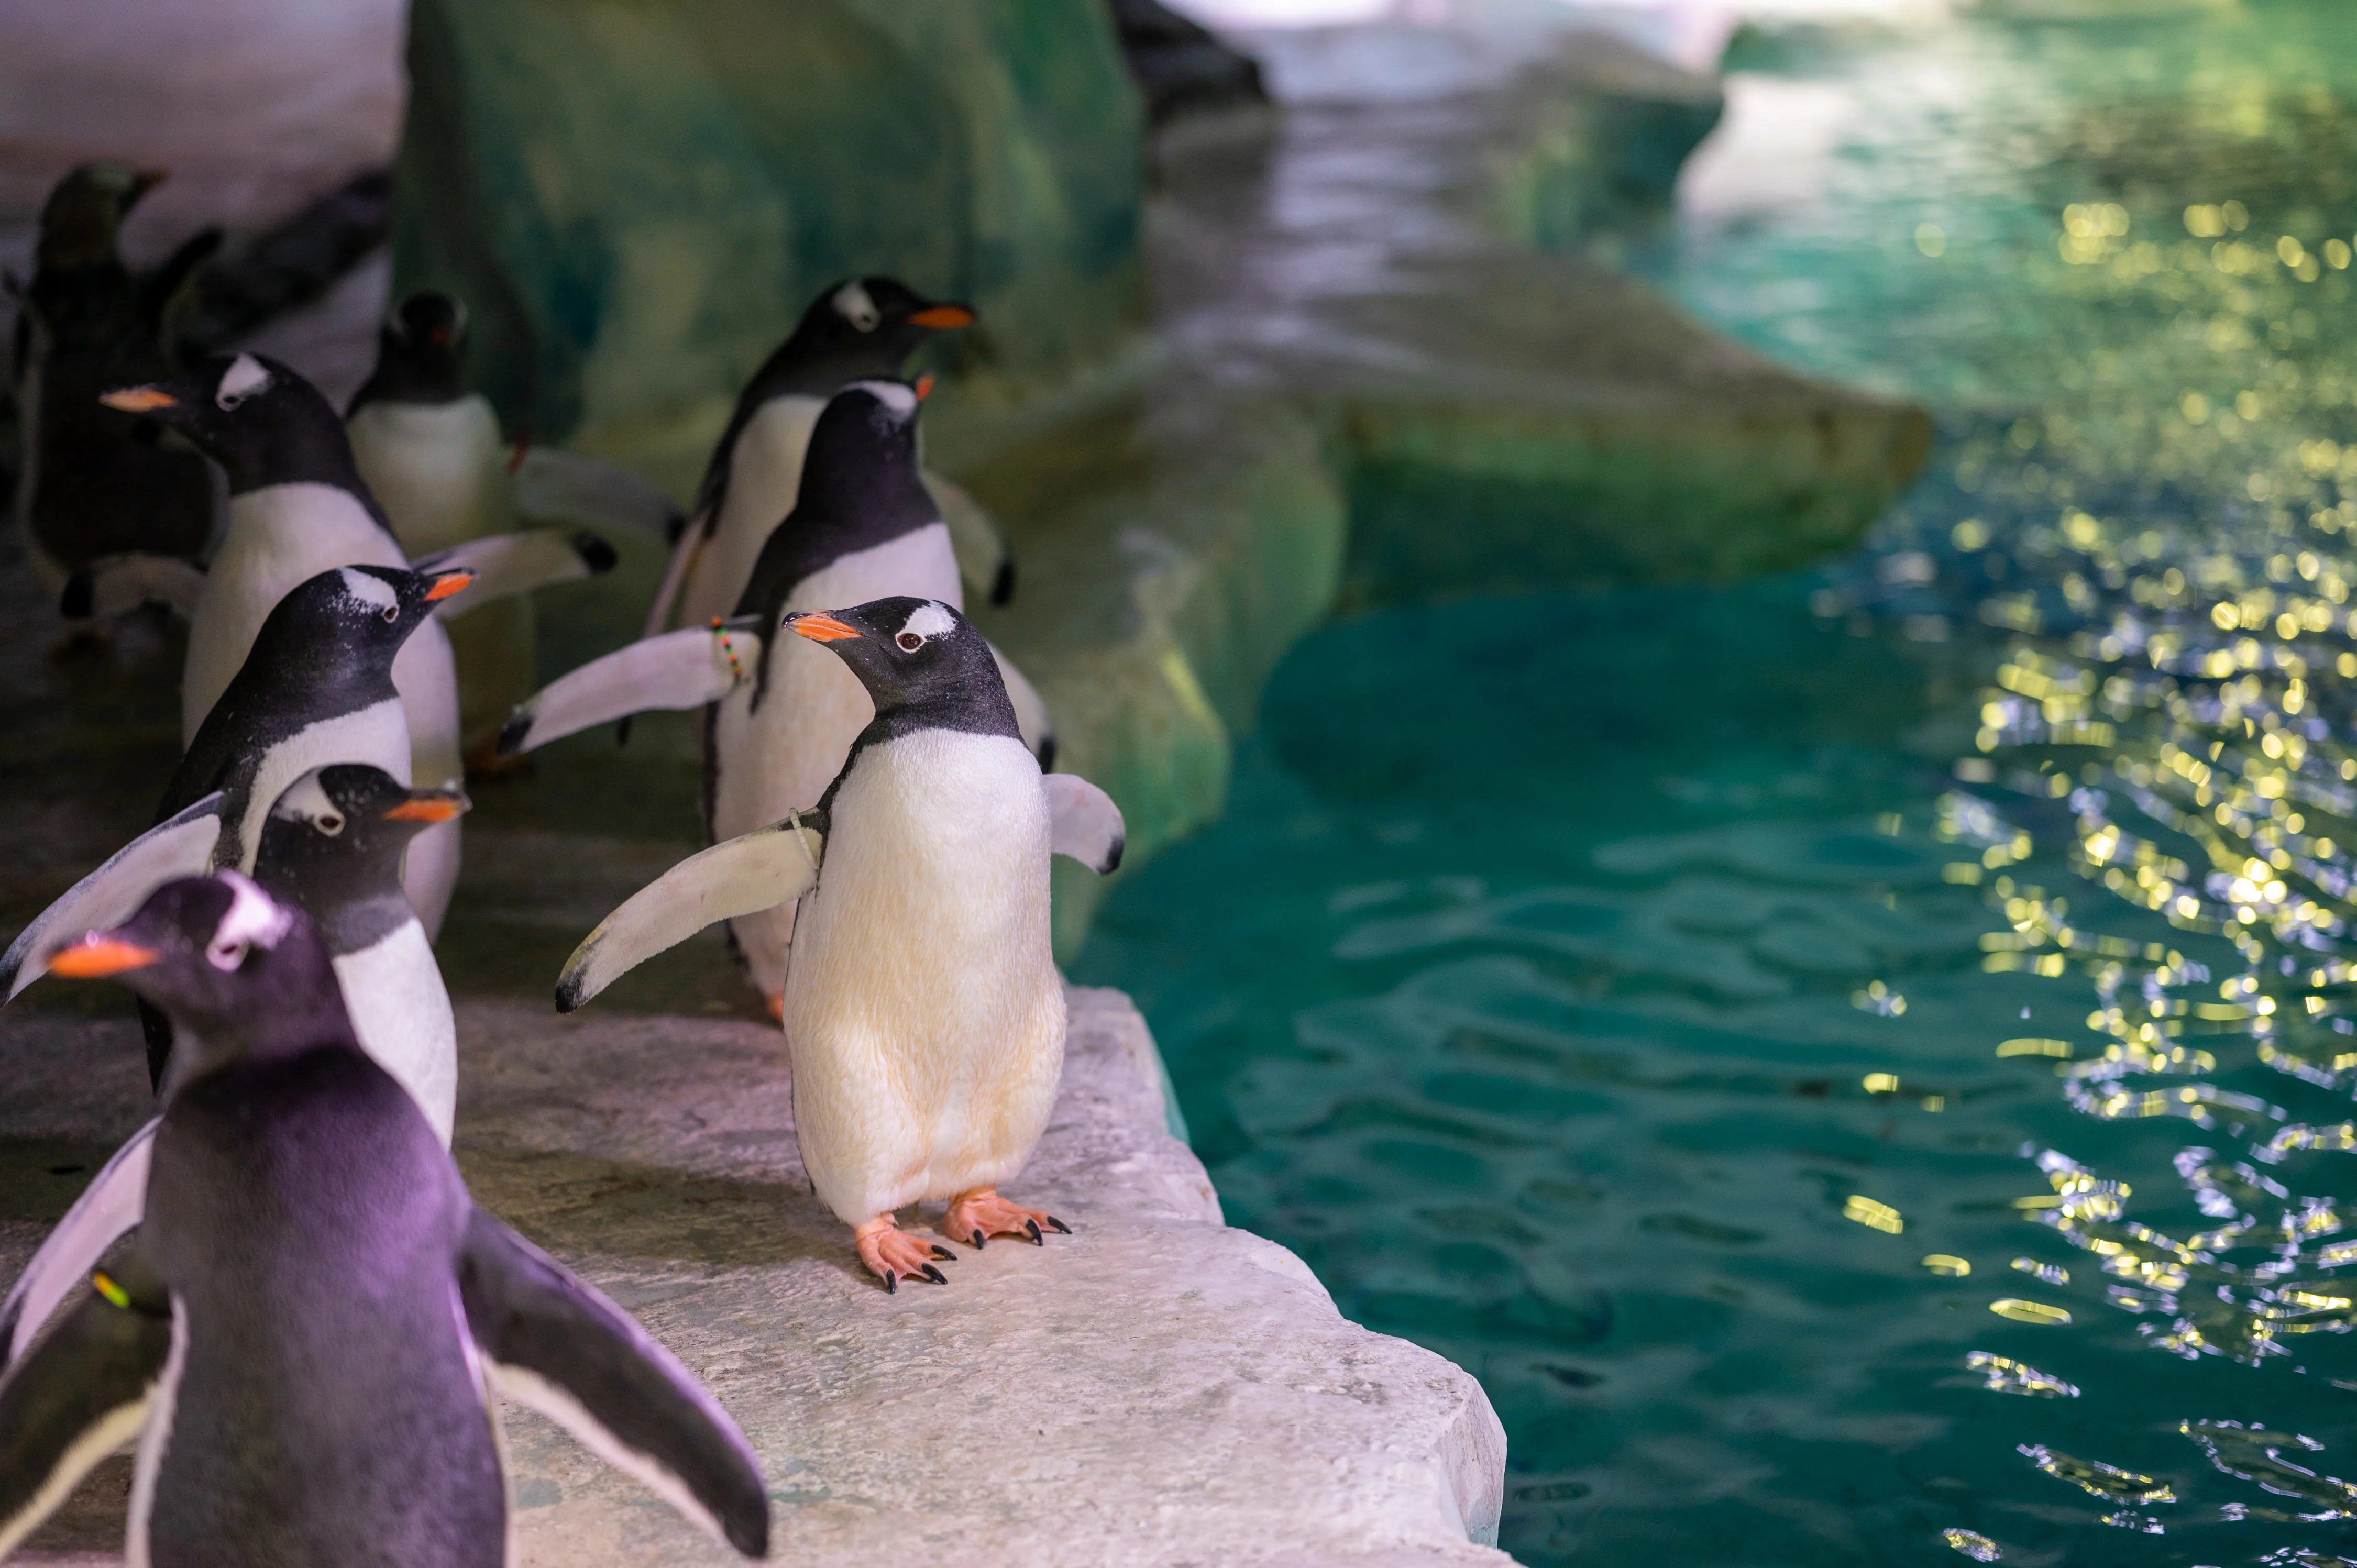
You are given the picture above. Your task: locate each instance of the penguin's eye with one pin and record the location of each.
(331, 824)
(863, 316)
(910, 641)
(226, 956)
(227, 402)
(392, 613)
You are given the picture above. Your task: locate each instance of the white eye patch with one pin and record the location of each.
(898, 396)
(851, 303)
(929, 620)
(244, 378)
(370, 590)
(306, 800)
(253, 920)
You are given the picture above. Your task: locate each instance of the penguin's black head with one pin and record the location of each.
(881, 311)
(862, 460)
(237, 970)
(350, 615)
(84, 212)
(420, 351)
(921, 661)
(860, 326)
(332, 845)
(259, 420)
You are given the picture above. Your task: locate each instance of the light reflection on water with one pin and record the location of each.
(1863, 1067)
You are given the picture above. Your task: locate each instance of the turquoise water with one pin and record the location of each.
(1860, 1065)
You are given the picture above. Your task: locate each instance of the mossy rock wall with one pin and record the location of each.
(637, 198)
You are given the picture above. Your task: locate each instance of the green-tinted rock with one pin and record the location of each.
(637, 200)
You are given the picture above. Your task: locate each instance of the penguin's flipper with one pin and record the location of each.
(985, 564)
(505, 564)
(551, 486)
(1083, 823)
(81, 1393)
(684, 552)
(556, 1344)
(179, 847)
(121, 583)
(112, 1204)
(754, 872)
(677, 670)
(1031, 714)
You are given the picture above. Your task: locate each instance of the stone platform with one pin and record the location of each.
(1155, 1389)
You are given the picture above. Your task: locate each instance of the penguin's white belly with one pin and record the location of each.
(782, 756)
(378, 734)
(439, 470)
(278, 536)
(924, 1010)
(400, 1012)
(765, 474)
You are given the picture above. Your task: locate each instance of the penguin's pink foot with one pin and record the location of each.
(775, 1001)
(976, 1216)
(892, 1254)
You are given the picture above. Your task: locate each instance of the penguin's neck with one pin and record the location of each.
(307, 517)
(354, 896)
(302, 451)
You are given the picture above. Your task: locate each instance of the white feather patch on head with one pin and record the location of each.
(898, 396)
(253, 917)
(370, 589)
(930, 619)
(305, 800)
(851, 303)
(244, 377)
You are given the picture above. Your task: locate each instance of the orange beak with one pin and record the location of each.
(139, 400)
(436, 808)
(822, 629)
(99, 955)
(448, 584)
(924, 386)
(942, 317)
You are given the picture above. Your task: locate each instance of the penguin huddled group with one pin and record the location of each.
(279, 1287)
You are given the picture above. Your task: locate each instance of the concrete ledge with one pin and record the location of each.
(1155, 1389)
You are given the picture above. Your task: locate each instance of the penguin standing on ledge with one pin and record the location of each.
(304, 1340)
(860, 329)
(923, 1011)
(92, 483)
(297, 507)
(863, 527)
(331, 847)
(431, 452)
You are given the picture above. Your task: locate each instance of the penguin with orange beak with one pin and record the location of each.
(859, 330)
(331, 846)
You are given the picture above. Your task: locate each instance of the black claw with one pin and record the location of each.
(935, 1275)
(943, 1253)
(1061, 1229)
(1033, 1226)
(978, 1242)
(891, 1283)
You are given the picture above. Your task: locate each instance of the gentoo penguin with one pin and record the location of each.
(332, 847)
(859, 330)
(431, 452)
(863, 527)
(318, 687)
(305, 1336)
(91, 482)
(298, 507)
(923, 1011)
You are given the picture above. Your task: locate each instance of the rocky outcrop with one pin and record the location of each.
(1378, 366)
(1182, 66)
(637, 203)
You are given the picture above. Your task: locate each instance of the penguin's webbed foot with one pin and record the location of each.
(976, 1216)
(892, 1254)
